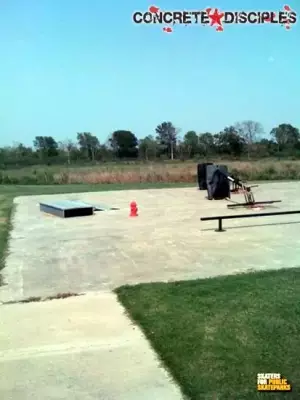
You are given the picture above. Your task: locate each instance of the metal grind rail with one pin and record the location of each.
(221, 217)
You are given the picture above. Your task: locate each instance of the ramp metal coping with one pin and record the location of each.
(65, 204)
(236, 216)
(97, 207)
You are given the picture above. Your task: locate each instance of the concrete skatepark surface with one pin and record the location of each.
(49, 255)
(85, 347)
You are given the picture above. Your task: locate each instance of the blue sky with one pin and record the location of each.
(81, 65)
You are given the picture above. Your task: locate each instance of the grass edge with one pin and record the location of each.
(8, 227)
(161, 362)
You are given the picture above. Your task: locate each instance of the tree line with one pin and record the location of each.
(244, 139)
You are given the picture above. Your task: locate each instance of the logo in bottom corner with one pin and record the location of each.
(271, 382)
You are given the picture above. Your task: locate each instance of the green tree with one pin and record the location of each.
(167, 138)
(250, 131)
(46, 146)
(265, 148)
(22, 151)
(17, 155)
(124, 144)
(69, 148)
(206, 143)
(148, 148)
(88, 144)
(286, 136)
(191, 143)
(105, 153)
(230, 142)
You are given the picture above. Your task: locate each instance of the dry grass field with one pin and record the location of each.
(124, 173)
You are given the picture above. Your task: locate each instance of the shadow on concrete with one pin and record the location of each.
(252, 226)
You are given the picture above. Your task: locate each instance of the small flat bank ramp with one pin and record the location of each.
(72, 208)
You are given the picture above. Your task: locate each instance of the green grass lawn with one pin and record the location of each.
(215, 335)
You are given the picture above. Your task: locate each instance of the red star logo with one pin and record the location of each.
(216, 17)
(168, 29)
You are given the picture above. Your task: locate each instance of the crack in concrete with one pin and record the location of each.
(36, 299)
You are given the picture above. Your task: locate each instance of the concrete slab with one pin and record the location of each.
(167, 241)
(81, 348)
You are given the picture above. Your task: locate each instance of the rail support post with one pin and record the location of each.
(220, 227)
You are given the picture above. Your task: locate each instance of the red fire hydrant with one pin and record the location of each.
(133, 209)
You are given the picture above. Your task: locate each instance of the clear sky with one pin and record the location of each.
(81, 65)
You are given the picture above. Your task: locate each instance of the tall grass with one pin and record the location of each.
(147, 173)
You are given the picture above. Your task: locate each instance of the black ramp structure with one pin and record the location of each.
(218, 186)
(201, 174)
(67, 209)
